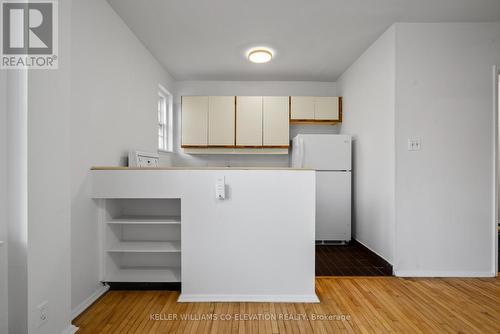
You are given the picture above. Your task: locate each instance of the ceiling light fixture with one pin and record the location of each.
(260, 55)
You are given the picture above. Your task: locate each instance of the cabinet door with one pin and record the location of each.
(326, 108)
(249, 121)
(302, 107)
(275, 125)
(194, 120)
(221, 120)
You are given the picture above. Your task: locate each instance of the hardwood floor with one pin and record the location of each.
(370, 305)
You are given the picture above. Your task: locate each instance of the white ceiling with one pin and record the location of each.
(314, 40)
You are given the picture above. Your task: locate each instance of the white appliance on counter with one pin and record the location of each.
(330, 156)
(143, 159)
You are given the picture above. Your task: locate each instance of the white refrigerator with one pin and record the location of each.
(330, 156)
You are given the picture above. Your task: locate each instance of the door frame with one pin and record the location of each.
(496, 165)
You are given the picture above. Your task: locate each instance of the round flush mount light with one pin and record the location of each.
(260, 55)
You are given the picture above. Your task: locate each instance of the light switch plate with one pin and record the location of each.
(414, 144)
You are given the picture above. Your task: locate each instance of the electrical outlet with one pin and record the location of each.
(414, 144)
(43, 313)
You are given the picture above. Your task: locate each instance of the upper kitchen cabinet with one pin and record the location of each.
(315, 110)
(302, 107)
(221, 114)
(275, 122)
(194, 121)
(249, 121)
(235, 124)
(326, 108)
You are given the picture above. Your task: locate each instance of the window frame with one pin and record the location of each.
(166, 110)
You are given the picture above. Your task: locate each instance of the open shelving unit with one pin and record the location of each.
(140, 240)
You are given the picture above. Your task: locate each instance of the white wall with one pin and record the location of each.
(49, 188)
(114, 94)
(278, 88)
(3, 203)
(367, 88)
(444, 196)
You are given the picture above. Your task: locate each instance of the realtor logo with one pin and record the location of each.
(29, 34)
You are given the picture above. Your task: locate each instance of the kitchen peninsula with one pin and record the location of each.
(227, 234)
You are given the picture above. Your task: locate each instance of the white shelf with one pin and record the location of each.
(145, 274)
(146, 247)
(140, 239)
(132, 220)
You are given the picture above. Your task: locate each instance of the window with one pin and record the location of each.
(165, 127)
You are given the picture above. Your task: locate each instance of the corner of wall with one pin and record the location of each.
(368, 90)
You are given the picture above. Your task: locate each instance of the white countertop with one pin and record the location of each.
(197, 168)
